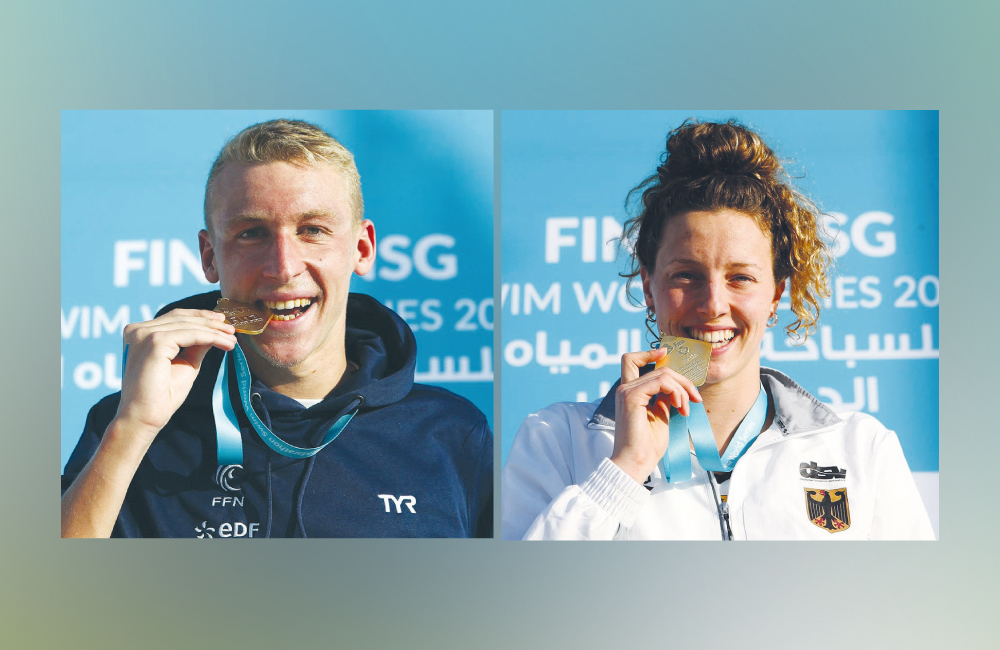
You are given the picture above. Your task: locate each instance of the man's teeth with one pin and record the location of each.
(717, 338)
(283, 305)
(288, 304)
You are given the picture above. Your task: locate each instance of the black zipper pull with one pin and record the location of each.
(725, 518)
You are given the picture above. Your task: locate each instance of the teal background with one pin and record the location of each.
(559, 164)
(490, 594)
(140, 176)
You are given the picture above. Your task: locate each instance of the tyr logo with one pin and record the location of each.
(399, 502)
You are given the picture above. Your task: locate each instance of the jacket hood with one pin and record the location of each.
(378, 342)
(796, 410)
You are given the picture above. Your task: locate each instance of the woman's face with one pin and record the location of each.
(714, 281)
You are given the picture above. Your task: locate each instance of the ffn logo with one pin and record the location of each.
(399, 502)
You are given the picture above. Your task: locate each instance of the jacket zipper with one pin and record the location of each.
(723, 509)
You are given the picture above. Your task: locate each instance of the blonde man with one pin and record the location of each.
(314, 426)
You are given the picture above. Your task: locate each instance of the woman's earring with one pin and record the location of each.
(772, 320)
(652, 329)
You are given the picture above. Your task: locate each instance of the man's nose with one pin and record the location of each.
(285, 258)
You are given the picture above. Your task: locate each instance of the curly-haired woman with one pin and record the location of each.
(719, 234)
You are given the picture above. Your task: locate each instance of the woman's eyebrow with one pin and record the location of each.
(700, 263)
(746, 265)
(684, 260)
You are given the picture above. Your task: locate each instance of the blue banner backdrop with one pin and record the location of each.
(566, 316)
(133, 184)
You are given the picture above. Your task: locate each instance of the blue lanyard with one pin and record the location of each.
(227, 428)
(676, 463)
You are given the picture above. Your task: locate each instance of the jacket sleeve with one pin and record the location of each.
(899, 512)
(544, 494)
(482, 503)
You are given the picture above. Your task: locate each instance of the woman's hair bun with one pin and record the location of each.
(698, 149)
(711, 166)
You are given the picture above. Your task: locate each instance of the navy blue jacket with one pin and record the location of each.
(407, 440)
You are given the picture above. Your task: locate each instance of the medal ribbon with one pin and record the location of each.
(227, 429)
(676, 463)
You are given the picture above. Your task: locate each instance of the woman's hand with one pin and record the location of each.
(642, 431)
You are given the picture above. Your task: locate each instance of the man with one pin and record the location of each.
(313, 427)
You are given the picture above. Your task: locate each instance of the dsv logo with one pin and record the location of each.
(400, 501)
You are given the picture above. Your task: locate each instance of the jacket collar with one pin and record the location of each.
(796, 410)
(377, 341)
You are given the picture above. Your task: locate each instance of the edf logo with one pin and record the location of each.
(400, 501)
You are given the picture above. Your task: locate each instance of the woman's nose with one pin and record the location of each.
(713, 301)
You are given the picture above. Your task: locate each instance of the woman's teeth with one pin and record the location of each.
(717, 338)
(296, 307)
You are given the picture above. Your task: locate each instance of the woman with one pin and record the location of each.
(719, 235)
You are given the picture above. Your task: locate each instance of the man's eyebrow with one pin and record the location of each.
(245, 218)
(320, 214)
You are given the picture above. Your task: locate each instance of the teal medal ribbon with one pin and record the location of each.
(676, 463)
(229, 440)
(230, 444)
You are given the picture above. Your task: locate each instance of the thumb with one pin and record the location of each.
(633, 361)
(193, 355)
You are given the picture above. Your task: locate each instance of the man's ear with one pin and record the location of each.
(366, 247)
(207, 256)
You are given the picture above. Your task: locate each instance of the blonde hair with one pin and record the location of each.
(292, 141)
(714, 166)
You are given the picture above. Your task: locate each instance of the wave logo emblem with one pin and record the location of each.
(204, 531)
(226, 476)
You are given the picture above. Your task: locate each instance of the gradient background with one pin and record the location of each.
(490, 594)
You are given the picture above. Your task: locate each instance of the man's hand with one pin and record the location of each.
(642, 431)
(164, 357)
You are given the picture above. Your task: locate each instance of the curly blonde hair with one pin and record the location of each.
(714, 166)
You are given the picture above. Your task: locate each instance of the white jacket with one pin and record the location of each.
(559, 484)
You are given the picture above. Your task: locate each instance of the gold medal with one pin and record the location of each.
(688, 357)
(247, 319)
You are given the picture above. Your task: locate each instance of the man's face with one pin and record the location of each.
(283, 232)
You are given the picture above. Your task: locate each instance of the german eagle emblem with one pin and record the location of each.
(828, 509)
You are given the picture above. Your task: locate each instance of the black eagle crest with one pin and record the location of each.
(828, 509)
